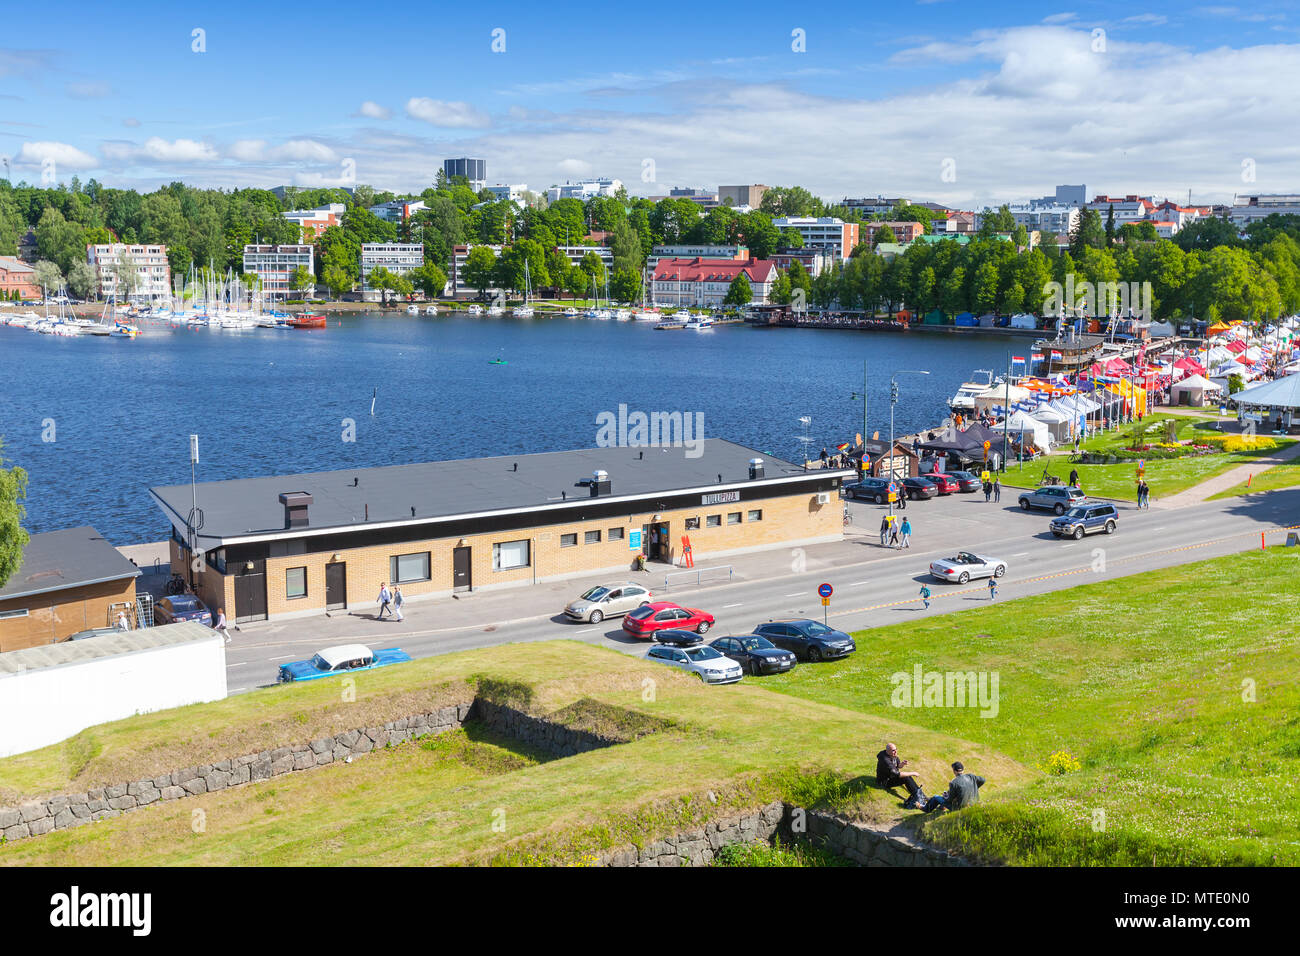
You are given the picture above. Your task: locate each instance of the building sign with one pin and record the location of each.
(720, 498)
(895, 466)
(634, 540)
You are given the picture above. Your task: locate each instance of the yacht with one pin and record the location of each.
(604, 314)
(430, 310)
(964, 400)
(474, 309)
(648, 315)
(496, 310)
(700, 324)
(681, 315)
(623, 315)
(522, 311)
(571, 312)
(412, 310)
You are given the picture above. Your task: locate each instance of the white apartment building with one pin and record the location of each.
(1040, 216)
(149, 262)
(827, 231)
(575, 254)
(878, 206)
(696, 252)
(584, 190)
(515, 193)
(455, 284)
(275, 266)
(399, 210)
(1127, 208)
(398, 258)
(1247, 209)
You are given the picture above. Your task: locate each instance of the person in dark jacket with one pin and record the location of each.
(890, 773)
(963, 790)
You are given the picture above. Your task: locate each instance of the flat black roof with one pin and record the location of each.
(249, 508)
(71, 558)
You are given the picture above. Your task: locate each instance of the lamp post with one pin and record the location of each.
(854, 396)
(893, 400)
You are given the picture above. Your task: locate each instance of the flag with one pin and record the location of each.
(1055, 355)
(1037, 356)
(843, 446)
(1017, 360)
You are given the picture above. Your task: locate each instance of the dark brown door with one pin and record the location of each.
(250, 593)
(460, 570)
(336, 585)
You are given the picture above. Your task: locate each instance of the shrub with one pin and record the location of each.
(1062, 762)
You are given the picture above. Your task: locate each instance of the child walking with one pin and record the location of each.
(925, 595)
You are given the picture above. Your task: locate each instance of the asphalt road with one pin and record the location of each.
(874, 586)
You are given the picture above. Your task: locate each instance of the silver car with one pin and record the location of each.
(703, 661)
(965, 565)
(607, 600)
(1056, 498)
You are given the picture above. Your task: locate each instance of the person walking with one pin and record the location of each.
(1074, 477)
(385, 601)
(893, 533)
(993, 588)
(925, 595)
(906, 531)
(884, 530)
(221, 624)
(988, 489)
(997, 489)
(397, 603)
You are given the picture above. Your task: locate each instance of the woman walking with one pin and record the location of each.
(907, 533)
(221, 624)
(397, 602)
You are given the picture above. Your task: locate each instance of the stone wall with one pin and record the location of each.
(868, 846)
(537, 731)
(698, 846)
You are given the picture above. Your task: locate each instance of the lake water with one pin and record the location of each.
(264, 402)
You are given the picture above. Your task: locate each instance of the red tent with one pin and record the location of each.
(1236, 346)
(1117, 366)
(1190, 364)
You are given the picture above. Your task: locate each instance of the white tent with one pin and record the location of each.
(999, 395)
(1196, 388)
(1057, 422)
(1031, 430)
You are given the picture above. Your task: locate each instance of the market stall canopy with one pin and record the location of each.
(1020, 423)
(1279, 393)
(1197, 383)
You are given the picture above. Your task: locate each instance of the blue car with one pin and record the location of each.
(181, 607)
(344, 658)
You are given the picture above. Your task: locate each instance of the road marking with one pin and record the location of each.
(1161, 528)
(1021, 554)
(285, 658)
(795, 594)
(858, 584)
(237, 664)
(725, 606)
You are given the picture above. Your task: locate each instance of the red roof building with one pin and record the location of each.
(704, 282)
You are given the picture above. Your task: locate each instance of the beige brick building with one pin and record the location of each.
(304, 544)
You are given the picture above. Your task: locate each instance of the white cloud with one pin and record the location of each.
(248, 150)
(303, 150)
(131, 121)
(177, 151)
(1060, 18)
(374, 110)
(1148, 19)
(88, 90)
(36, 154)
(574, 167)
(453, 115)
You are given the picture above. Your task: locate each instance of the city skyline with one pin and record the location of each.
(968, 104)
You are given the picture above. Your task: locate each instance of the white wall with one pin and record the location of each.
(42, 707)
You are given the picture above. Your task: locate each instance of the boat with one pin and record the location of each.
(623, 315)
(308, 320)
(525, 311)
(681, 315)
(604, 314)
(700, 324)
(475, 309)
(964, 400)
(522, 311)
(648, 315)
(412, 310)
(498, 361)
(430, 310)
(496, 310)
(571, 312)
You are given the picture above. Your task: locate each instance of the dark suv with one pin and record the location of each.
(1086, 518)
(872, 489)
(810, 640)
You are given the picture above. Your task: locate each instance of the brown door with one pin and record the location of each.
(336, 585)
(460, 570)
(250, 593)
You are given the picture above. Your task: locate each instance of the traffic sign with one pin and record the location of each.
(825, 590)
(826, 602)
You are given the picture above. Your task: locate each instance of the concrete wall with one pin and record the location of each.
(42, 707)
(55, 616)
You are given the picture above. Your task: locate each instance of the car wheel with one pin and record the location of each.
(597, 617)
(814, 655)
(755, 669)
(1078, 533)
(1024, 503)
(1110, 527)
(964, 579)
(699, 677)
(1000, 570)
(703, 628)
(1059, 509)
(880, 499)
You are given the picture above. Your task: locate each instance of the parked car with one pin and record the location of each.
(965, 565)
(1056, 498)
(755, 654)
(944, 482)
(661, 615)
(873, 489)
(606, 600)
(808, 639)
(677, 638)
(1087, 518)
(341, 659)
(702, 661)
(917, 488)
(181, 607)
(96, 632)
(966, 481)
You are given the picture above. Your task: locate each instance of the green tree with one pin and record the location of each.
(884, 234)
(740, 292)
(759, 234)
(625, 285)
(82, 280)
(781, 289)
(383, 281)
(993, 224)
(336, 280)
(302, 280)
(1087, 232)
(791, 238)
(625, 245)
(1207, 233)
(13, 537)
(1110, 225)
(48, 275)
(429, 279)
(479, 268)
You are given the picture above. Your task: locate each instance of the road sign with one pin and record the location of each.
(826, 602)
(825, 590)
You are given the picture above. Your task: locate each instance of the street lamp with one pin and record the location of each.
(854, 396)
(893, 400)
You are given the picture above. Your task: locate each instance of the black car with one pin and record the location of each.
(872, 489)
(676, 637)
(916, 488)
(967, 480)
(755, 654)
(810, 640)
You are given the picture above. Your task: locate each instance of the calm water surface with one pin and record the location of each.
(272, 402)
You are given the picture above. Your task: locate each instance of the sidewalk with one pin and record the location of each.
(1230, 478)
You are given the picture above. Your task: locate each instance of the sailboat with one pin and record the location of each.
(525, 311)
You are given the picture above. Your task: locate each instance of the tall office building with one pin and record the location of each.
(475, 170)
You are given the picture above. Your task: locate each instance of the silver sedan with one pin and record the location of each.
(965, 565)
(607, 600)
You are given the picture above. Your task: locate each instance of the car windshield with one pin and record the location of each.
(1076, 513)
(641, 612)
(702, 654)
(320, 663)
(813, 629)
(756, 644)
(595, 594)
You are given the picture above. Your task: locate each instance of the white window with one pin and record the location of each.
(295, 583)
(404, 568)
(510, 554)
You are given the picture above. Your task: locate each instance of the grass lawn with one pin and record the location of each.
(1285, 475)
(1144, 679)
(1165, 476)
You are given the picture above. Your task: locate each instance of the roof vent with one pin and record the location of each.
(599, 483)
(755, 468)
(295, 508)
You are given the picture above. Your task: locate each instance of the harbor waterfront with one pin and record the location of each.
(96, 422)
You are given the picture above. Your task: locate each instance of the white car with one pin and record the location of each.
(702, 661)
(965, 565)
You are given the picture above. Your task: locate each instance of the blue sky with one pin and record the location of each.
(953, 100)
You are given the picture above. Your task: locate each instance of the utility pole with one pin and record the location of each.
(853, 396)
(893, 400)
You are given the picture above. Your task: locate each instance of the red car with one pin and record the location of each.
(662, 615)
(946, 484)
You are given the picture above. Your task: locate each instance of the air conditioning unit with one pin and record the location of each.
(823, 497)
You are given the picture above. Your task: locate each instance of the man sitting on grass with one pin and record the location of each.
(962, 791)
(890, 774)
